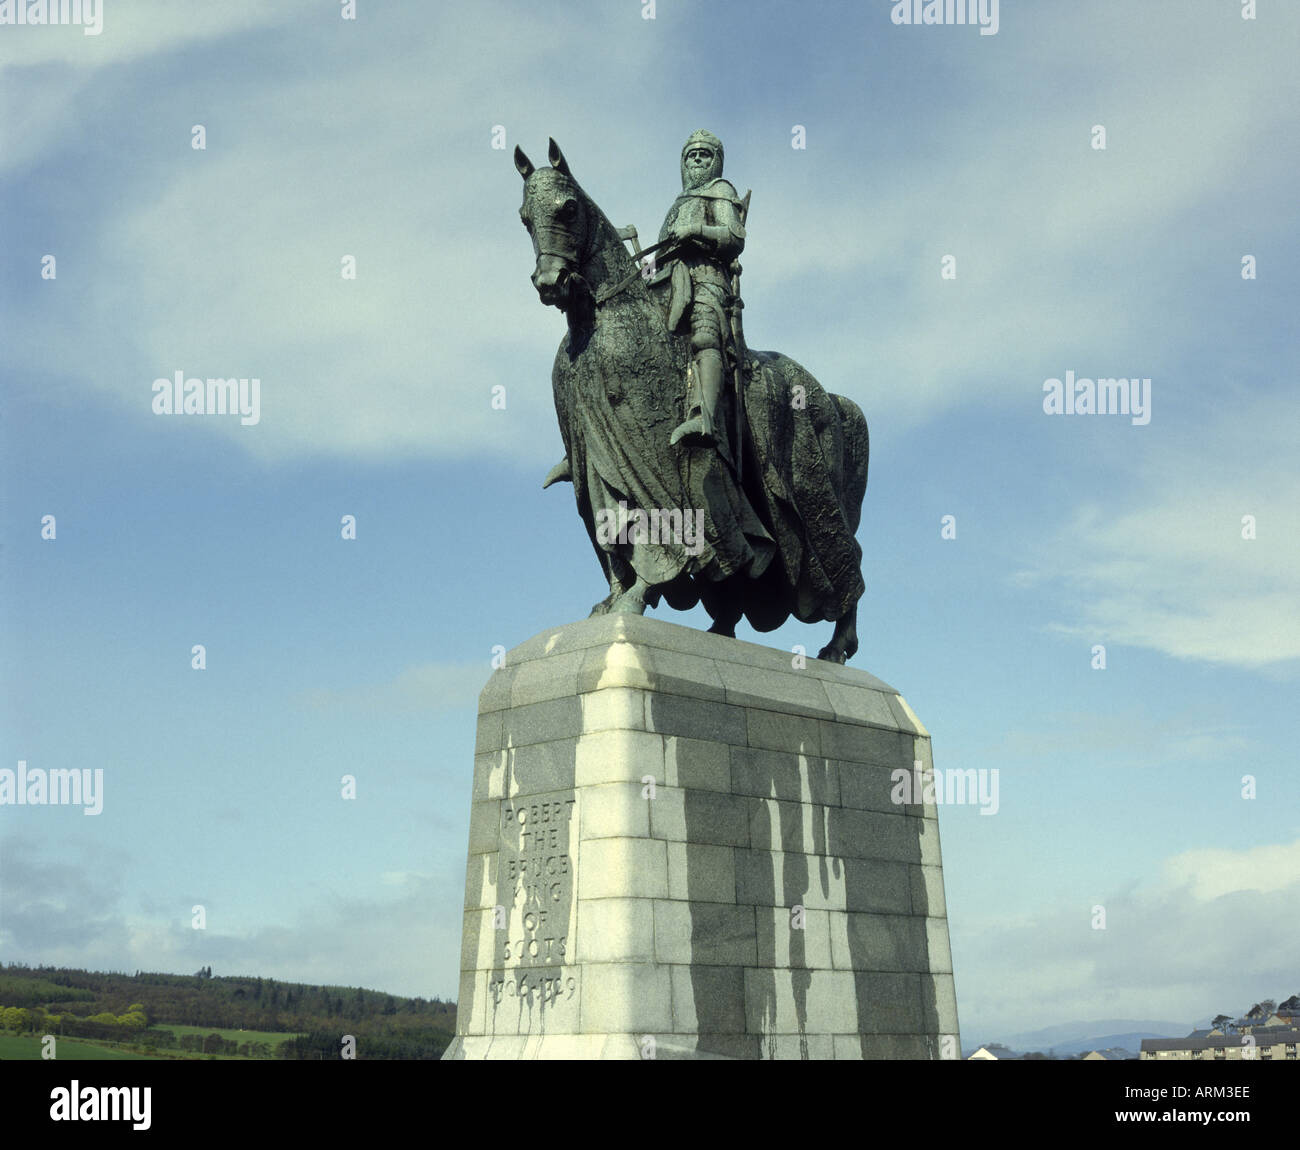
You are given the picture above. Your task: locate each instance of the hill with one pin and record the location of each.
(236, 1016)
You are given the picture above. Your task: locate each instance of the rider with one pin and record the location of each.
(706, 221)
(706, 218)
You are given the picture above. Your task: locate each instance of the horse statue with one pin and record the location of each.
(775, 504)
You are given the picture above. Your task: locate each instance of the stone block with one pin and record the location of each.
(782, 945)
(701, 872)
(696, 719)
(651, 669)
(889, 1002)
(700, 764)
(797, 1047)
(489, 734)
(851, 704)
(873, 835)
(613, 709)
(704, 933)
(490, 776)
(938, 954)
(708, 999)
(783, 732)
(615, 810)
(484, 826)
(537, 768)
(539, 723)
(760, 688)
(871, 786)
(540, 680)
(879, 942)
(927, 891)
(495, 695)
(623, 867)
(615, 930)
(616, 756)
(859, 744)
(626, 998)
(786, 826)
(784, 775)
(481, 881)
(700, 817)
(798, 1001)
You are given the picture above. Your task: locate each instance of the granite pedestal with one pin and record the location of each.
(685, 846)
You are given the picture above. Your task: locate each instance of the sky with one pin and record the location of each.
(1162, 788)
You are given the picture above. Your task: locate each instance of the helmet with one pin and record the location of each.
(715, 169)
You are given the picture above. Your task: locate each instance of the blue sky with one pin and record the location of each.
(326, 657)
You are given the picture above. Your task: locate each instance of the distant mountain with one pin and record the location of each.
(1080, 1037)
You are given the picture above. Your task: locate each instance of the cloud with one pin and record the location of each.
(143, 28)
(1211, 874)
(1128, 738)
(53, 906)
(1217, 932)
(227, 261)
(1163, 564)
(60, 913)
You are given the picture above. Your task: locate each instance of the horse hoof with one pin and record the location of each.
(602, 608)
(719, 629)
(833, 655)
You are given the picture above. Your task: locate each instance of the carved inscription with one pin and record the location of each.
(536, 882)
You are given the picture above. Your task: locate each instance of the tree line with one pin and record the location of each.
(130, 1007)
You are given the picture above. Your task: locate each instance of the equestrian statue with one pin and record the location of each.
(670, 422)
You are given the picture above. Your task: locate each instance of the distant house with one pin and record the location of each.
(1267, 1043)
(1111, 1054)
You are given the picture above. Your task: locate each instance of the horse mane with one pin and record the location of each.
(604, 244)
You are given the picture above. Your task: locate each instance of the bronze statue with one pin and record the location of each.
(707, 222)
(778, 507)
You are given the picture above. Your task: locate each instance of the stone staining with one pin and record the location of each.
(681, 846)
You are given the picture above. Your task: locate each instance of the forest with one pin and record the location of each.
(289, 1020)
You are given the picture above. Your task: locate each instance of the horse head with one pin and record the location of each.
(558, 217)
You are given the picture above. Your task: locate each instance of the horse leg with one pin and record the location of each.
(631, 600)
(844, 643)
(727, 609)
(606, 605)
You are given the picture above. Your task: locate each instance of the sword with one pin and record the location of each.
(738, 336)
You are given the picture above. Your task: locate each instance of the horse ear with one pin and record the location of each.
(523, 165)
(557, 159)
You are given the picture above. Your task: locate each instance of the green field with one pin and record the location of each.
(23, 1047)
(272, 1038)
